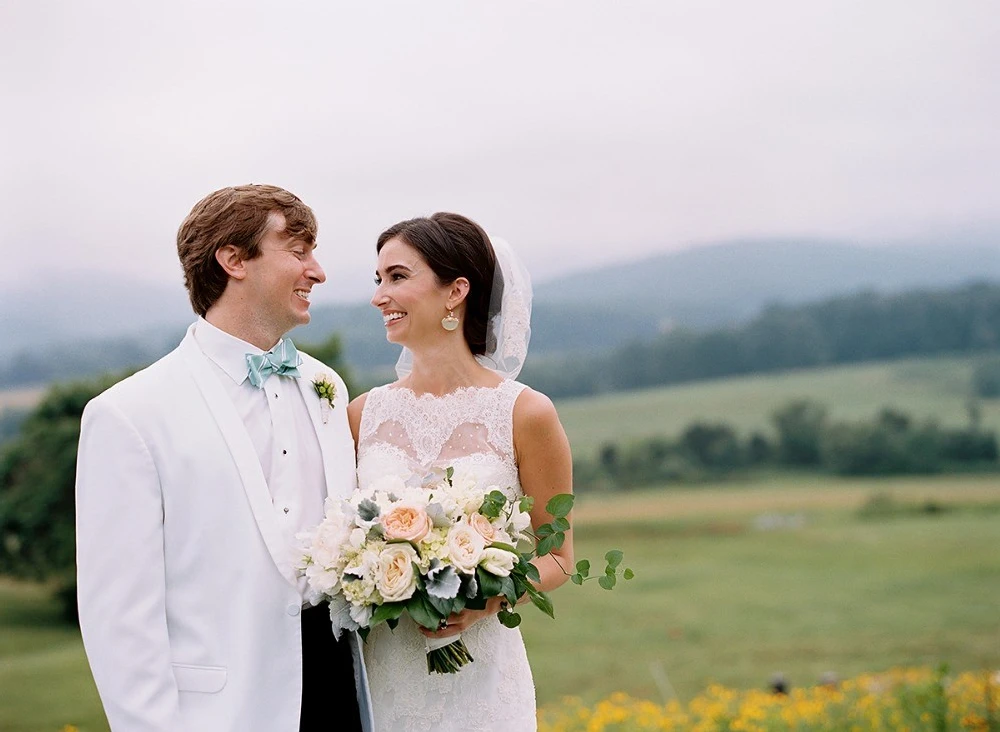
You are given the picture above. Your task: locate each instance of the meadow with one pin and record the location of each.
(925, 388)
(734, 584)
(804, 575)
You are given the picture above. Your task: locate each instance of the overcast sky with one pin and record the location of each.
(583, 132)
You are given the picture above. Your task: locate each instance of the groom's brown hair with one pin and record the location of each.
(236, 216)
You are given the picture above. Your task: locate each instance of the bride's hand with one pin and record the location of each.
(459, 622)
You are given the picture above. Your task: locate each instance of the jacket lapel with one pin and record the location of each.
(240, 446)
(316, 406)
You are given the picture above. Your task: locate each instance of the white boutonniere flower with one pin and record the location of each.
(326, 390)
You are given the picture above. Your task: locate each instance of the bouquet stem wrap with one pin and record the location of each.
(446, 655)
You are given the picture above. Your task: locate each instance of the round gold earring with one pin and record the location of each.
(449, 322)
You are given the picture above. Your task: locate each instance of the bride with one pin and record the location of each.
(460, 306)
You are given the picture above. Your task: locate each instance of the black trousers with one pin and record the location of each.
(329, 695)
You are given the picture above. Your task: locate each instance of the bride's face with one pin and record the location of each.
(409, 296)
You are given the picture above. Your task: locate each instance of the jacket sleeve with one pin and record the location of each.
(120, 573)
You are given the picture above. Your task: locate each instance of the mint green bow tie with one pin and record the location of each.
(282, 359)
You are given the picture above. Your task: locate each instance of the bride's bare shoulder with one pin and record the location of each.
(534, 411)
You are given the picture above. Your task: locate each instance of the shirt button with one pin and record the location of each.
(293, 610)
(285, 509)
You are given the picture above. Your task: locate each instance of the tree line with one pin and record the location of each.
(863, 327)
(804, 438)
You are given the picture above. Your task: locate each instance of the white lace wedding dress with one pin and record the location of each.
(472, 429)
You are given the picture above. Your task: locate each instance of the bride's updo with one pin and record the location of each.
(454, 246)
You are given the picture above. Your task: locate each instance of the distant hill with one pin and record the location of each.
(91, 306)
(731, 281)
(94, 323)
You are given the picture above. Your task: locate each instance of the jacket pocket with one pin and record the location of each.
(204, 679)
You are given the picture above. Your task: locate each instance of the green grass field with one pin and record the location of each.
(717, 596)
(935, 388)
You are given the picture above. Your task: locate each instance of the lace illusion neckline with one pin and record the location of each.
(460, 391)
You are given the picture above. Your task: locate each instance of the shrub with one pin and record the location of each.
(37, 475)
(986, 379)
(800, 426)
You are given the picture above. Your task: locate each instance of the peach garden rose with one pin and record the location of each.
(409, 523)
(396, 578)
(483, 527)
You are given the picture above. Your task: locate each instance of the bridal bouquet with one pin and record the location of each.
(431, 546)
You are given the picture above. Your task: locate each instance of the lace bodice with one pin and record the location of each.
(402, 432)
(472, 429)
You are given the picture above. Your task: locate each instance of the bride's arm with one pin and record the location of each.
(545, 468)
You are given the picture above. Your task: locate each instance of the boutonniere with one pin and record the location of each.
(326, 390)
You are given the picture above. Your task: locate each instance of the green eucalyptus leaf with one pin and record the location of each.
(508, 590)
(532, 573)
(614, 557)
(388, 611)
(509, 618)
(561, 524)
(423, 613)
(560, 505)
(546, 545)
(607, 581)
(583, 567)
(628, 574)
(542, 602)
(576, 579)
(444, 607)
(489, 584)
(475, 603)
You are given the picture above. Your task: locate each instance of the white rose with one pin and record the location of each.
(395, 578)
(519, 521)
(465, 547)
(498, 561)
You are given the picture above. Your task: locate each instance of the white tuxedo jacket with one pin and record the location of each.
(188, 600)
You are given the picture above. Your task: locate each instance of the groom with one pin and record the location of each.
(193, 478)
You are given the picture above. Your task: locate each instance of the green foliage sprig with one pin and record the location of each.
(548, 537)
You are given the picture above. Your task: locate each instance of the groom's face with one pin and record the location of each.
(280, 280)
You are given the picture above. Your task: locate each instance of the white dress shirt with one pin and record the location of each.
(277, 420)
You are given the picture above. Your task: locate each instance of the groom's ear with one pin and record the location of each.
(457, 293)
(231, 260)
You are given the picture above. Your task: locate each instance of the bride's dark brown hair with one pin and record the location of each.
(455, 246)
